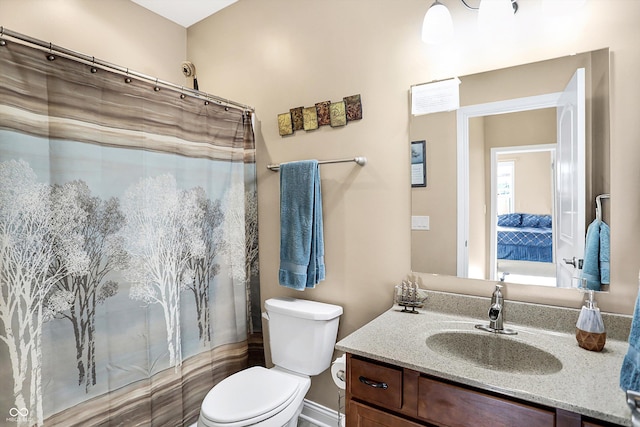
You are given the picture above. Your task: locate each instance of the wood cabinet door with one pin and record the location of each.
(449, 405)
(359, 415)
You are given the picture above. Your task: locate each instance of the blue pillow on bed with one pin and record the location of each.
(545, 221)
(509, 220)
(530, 220)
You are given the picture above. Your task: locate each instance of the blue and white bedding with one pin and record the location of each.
(525, 237)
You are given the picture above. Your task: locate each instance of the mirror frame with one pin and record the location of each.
(600, 87)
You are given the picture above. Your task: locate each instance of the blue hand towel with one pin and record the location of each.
(591, 265)
(301, 228)
(630, 371)
(604, 253)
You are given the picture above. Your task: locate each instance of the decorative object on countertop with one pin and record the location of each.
(408, 295)
(323, 113)
(630, 371)
(590, 331)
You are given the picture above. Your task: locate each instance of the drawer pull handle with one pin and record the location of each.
(373, 384)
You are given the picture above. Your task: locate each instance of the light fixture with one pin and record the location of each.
(496, 15)
(437, 25)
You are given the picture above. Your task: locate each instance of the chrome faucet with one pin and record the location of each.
(496, 314)
(495, 311)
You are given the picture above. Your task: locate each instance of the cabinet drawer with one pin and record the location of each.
(375, 383)
(360, 415)
(446, 404)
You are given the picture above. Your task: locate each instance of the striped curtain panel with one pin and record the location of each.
(128, 245)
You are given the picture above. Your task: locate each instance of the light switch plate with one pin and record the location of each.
(419, 222)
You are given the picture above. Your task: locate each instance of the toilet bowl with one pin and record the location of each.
(302, 335)
(255, 397)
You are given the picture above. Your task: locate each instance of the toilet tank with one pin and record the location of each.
(302, 334)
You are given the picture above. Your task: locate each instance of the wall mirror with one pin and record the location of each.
(514, 173)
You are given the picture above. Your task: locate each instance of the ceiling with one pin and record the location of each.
(184, 12)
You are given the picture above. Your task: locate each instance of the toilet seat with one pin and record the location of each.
(249, 396)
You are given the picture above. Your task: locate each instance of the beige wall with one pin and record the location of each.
(532, 182)
(116, 31)
(532, 170)
(279, 54)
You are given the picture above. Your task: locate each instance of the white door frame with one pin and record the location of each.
(463, 117)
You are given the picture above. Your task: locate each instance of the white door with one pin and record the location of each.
(569, 224)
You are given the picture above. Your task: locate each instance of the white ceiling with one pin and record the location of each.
(184, 12)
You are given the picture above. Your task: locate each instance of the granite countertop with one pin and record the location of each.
(587, 383)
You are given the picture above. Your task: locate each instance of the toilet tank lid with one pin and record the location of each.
(302, 308)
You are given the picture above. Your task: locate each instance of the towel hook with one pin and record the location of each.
(599, 205)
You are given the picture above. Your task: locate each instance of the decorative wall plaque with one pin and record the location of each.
(322, 113)
(353, 107)
(310, 117)
(284, 124)
(338, 114)
(296, 118)
(322, 108)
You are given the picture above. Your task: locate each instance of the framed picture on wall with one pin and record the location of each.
(418, 164)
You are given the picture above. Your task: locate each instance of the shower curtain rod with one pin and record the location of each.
(359, 160)
(91, 60)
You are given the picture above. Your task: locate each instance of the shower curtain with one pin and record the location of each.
(128, 245)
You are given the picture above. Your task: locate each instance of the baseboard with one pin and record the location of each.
(319, 415)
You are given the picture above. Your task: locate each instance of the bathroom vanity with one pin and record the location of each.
(436, 368)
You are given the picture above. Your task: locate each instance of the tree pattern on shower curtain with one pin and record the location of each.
(36, 231)
(74, 297)
(162, 236)
(128, 246)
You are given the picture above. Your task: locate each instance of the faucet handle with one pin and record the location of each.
(497, 293)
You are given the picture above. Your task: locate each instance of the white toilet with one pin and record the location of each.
(302, 335)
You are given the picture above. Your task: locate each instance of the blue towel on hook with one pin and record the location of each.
(301, 228)
(604, 253)
(591, 265)
(630, 371)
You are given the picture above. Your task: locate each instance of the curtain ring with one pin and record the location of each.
(51, 56)
(127, 79)
(93, 68)
(157, 88)
(2, 42)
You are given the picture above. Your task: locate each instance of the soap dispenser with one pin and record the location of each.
(590, 331)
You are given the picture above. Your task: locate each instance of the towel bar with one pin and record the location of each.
(359, 160)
